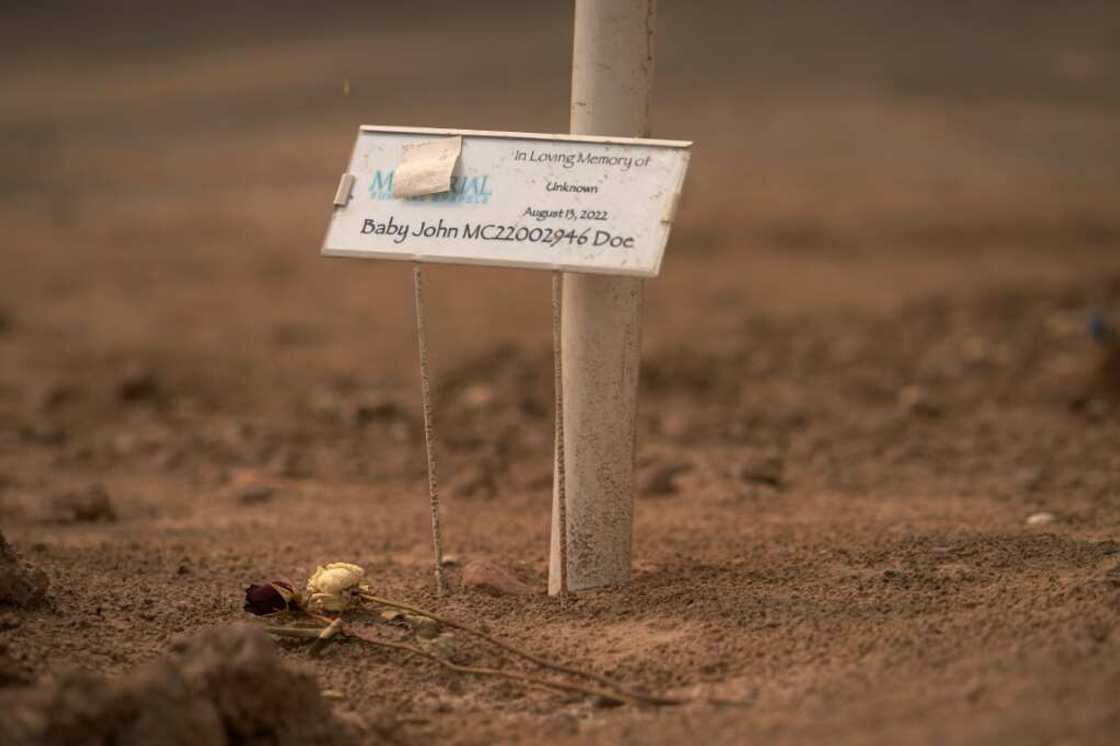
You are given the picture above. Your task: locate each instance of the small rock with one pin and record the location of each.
(255, 494)
(673, 425)
(1040, 519)
(141, 385)
(603, 702)
(492, 578)
(90, 505)
(915, 400)
(376, 407)
(765, 470)
(293, 463)
(662, 480)
(57, 395)
(478, 396)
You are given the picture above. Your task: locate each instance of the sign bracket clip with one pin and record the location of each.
(345, 186)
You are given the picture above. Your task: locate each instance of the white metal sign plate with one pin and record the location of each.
(568, 202)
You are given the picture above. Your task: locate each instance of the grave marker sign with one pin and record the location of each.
(561, 202)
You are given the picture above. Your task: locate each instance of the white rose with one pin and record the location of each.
(334, 586)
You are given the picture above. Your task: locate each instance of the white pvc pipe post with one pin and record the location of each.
(612, 80)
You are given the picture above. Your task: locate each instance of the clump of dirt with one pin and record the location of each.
(20, 584)
(258, 699)
(225, 686)
(154, 705)
(492, 578)
(89, 505)
(142, 385)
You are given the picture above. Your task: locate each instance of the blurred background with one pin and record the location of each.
(167, 171)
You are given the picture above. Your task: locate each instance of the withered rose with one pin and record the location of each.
(334, 586)
(270, 598)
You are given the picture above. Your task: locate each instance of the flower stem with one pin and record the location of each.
(624, 695)
(614, 696)
(303, 633)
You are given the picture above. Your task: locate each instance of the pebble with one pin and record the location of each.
(376, 407)
(673, 425)
(478, 396)
(766, 470)
(57, 395)
(254, 494)
(601, 702)
(1040, 519)
(140, 385)
(916, 400)
(663, 479)
(91, 505)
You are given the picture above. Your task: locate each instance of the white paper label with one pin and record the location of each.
(426, 167)
(573, 203)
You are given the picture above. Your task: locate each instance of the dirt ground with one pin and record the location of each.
(866, 364)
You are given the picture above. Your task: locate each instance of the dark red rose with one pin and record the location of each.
(269, 598)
